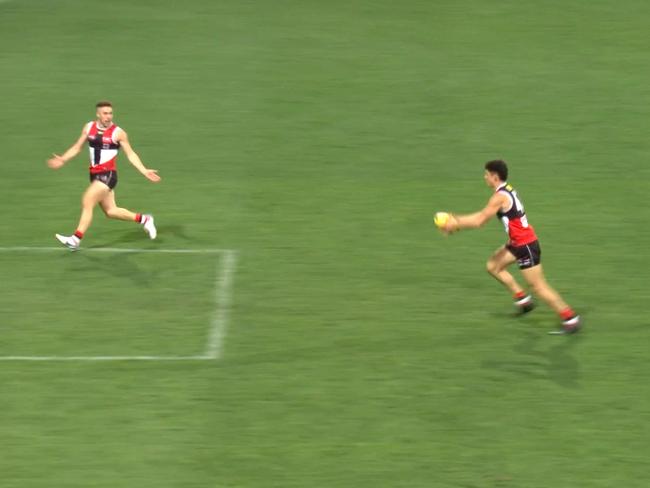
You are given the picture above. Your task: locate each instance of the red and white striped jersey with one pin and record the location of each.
(514, 219)
(103, 146)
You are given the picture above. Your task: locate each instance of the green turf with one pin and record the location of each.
(156, 320)
(317, 138)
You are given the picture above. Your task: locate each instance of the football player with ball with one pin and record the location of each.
(522, 247)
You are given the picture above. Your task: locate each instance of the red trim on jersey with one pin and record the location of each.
(104, 168)
(107, 138)
(520, 235)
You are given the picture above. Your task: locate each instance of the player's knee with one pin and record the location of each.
(492, 267)
(111, 213)
(538, 287)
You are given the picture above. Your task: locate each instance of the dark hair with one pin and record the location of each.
(103, 103)
(499, 167)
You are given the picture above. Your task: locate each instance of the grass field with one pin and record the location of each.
(315, 139)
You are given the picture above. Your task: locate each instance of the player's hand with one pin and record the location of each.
(152, 175)
(55, 162)
(451, 226)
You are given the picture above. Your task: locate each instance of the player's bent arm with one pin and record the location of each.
(57, 161)
(134, 159)
(478, 219)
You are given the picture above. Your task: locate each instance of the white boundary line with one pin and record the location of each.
(220, 319)
(115, 249)
(105, 358)
(218, 324)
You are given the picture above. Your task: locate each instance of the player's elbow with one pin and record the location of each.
(480, 221)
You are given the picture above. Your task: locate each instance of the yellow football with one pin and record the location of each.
(441, 219)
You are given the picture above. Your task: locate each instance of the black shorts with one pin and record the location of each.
(109, 178)
(528, 255)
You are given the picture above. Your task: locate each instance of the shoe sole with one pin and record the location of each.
(523, 310)
(155, 231)
(573, 330)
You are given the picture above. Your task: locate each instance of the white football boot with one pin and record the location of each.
(71, 242)
(149, 226)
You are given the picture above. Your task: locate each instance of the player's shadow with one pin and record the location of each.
(136, 234)
(125, 237)
(556, 363)
(176, 230)
(119, 265)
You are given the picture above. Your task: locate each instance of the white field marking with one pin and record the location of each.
(220, 319)
(114, 249)
(218, 324)
(105, 358)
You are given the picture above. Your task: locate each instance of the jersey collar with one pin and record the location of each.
(103, 128)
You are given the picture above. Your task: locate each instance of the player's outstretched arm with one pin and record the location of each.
(477, 219)
(56, 161)
(134, 159)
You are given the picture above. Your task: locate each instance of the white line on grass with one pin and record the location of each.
(114, 249)
(219, 321)
(105, 358)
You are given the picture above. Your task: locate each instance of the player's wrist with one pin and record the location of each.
(454, 223)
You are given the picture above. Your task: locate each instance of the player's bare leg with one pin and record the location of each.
(535, 278)
(91, 197)
(112, 211)
(94, 194)
(496, 266)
